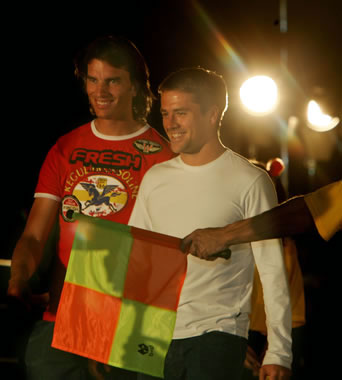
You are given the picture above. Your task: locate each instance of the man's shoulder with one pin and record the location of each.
(160, 169)
(154, 135)
(70, 136)
(154, 132)
(159, 175)
(153, 146)
(68, 140)
(243, 164)
(246, 176)
(172, 163)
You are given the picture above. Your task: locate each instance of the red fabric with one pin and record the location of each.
(120, 296)
(95, 329)
(79, 161)
(150, 267)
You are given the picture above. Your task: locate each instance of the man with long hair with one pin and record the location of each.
(96, 169)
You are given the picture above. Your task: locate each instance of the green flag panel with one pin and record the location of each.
(142, 338)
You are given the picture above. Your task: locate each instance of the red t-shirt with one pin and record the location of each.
(96, 175)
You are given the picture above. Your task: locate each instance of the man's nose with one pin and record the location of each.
(169, 122)
(101, 88)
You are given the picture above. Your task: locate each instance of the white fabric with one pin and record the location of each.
(175, 199)
(118, 138)
(46, 195)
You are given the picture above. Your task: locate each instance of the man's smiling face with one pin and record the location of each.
(110, 91)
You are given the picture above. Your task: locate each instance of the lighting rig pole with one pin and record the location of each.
(290, 121)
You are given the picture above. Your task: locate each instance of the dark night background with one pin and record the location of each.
(43, 100)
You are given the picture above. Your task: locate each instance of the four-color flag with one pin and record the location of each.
(120, 296)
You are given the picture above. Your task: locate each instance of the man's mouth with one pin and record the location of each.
(176, 135)
(102, 103)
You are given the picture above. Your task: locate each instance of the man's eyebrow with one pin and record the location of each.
(116, 78)
(175, 109)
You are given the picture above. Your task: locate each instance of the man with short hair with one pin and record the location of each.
(96, 170)
(208, 185)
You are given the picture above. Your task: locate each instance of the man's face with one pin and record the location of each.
(110, 91)
(187, 127)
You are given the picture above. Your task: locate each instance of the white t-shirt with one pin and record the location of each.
(176, 199)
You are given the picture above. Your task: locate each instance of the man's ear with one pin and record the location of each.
(214, 115)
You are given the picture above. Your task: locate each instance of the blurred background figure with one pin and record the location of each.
(257, 340)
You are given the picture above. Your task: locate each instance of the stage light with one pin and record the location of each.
(317, 120)
(259, 95)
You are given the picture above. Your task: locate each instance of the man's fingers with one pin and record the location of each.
(93, 367)
(252, 361)
(225, 254)
(186, 244)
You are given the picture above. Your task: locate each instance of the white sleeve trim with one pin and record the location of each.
(46, 195)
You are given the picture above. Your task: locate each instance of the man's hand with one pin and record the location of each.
(20, 290)
(252, 361)
(98, 370)
(274, 372)
(204, 243)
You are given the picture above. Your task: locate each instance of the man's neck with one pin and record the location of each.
(207, 154)
(117, 127)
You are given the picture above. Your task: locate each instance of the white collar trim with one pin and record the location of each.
(117, 138)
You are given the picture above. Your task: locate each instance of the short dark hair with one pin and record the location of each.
(120, 53)
(207, 87)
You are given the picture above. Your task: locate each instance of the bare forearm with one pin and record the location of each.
(28, 252)
(289, 218)
(25, 259)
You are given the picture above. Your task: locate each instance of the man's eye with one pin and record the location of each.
(91, 80)
(114, 81)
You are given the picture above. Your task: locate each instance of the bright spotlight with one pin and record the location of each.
(317, 120)
(259, 95)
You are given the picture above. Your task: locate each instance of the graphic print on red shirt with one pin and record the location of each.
(98, 176)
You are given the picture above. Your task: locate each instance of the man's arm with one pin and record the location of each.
(274, 372)
(29, 250)
(289, 218)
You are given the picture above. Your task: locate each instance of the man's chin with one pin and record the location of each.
(176, 148)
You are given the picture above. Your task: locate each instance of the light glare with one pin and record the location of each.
(317, 120)
(259, 94)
